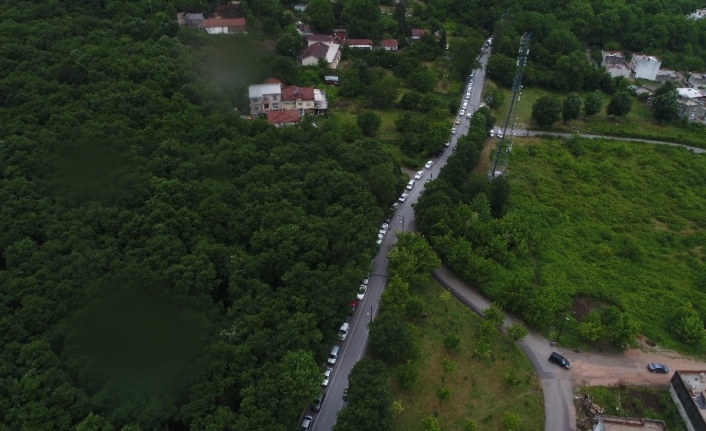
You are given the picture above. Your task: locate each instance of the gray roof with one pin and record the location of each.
(261, 89)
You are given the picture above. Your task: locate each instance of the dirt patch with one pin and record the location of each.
(659, 225)
(582, 305)
(484, 163)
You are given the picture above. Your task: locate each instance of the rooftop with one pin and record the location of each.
(271, 80)
(320, 38)
(282, 116)
(318, 50)
(293, 92)
(614, 53)
(645, 57)
(389, 42)
(695, 382)
(614, 423)
(224, 22)
(259, 90)
(690, 93)
(358, 42)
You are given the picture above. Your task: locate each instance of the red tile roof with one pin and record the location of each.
(224, 22)
(319, 38)
(272, 80)
(358, 42)
(418, 31)
(293, 92)
(389, 43)
(282, 117)
(339, 33)
(317, 50)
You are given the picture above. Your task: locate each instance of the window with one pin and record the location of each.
(274, 97)
(275, 106)
(267, 106)
(256, 109)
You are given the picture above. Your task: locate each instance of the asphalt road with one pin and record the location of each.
(353, 348)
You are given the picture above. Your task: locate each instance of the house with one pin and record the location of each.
(264, 97)
(389, 44)
(271, 80)
(616, 423)
(699, 14)
(667, 75)
(318, 50)
(692, 103)
(300, 7)
(320, 102)
(687, 391)
(614, 63)
(339, 33)
(417, 33)
(193, 20)
(283, 118)
(323, 38)
(331, 80)
(697, 79)
(359, 43)
(645, 66)
(299, 99)
(224, 25)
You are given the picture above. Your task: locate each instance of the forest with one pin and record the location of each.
(164, 264)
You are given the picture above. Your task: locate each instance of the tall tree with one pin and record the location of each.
(362, 18)
(619, 105)
(321, 15)
(546, 110)
(665, 107)
(571, 107)
(592, 104)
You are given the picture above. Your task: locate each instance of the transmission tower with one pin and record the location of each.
(498, 165)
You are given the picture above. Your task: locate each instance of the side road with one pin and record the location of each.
(593, 369)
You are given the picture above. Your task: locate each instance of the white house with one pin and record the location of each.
(264, 97)
(389, 44)
(300, 7)
(224, 25)
(697, 79)
(318, 50)
(699, 14)
(645, 66)
(359, 43)
(692, 103)
(686, 388)
(614, 64)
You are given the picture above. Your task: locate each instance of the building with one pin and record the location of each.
(692, 103)
(389, 44)
(615, 423)
(697, 79)
(331, 80)
(339, 33)
(417, 33)
(264, 98)
(224, 25)
(699, 14)
(331, 53)
(359, 43)
(614, 64)
(668, 75)
(645, 66)
(300, 7)
(687, 391)
(323, 38)
(283, 118)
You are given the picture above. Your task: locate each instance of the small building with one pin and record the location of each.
(359, 43)
(692, 103)
(614, 63)
(615, 423)
(318, 50)
(320, 102)
(298, 99)
(264, 98)
(224, 25)
(272, 80)
(699, 14)
(686, 388)
(645, 66)
(323, 38)
(193, 20)
(668, 75)
(283, 118)
(331, 80)
(389, 44)
(300, 7)
(339, 33)
(697, 79)
(417, 33)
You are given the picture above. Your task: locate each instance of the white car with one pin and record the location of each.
(418, 175)
(410, 185)
(379, 241)
(384, 226)
(429, 164)
(458, 120)
(361, 292)
(453, 130)
(500, 134)
(465, 105)
(461, 112)
(403, 197)
(492, 133)
(395, 205)
(365, 280)
(448, 144)
(468, 96)
(381, 236)
(383, 231)
(327, 377)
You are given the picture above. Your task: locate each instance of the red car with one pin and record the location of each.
(354, 305)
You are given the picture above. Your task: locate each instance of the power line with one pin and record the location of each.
(504, 145)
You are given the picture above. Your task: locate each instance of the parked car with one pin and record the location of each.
(305, 424)
(468, 115)
(465, 105)
(419, 175)
(395, 205)
(361, 292)
(461, 112)
(440, 153)
(410, 185)
(353, 305)
(500, 134)
(403, 197)
(453, 130)
(491, 133)
(458, 120)
(657, 368)
(561, 361)
(327, 377)
(429, 164)
(447, 144)
(316, 405)
(343, 331)
(365, 280)
(333, 356)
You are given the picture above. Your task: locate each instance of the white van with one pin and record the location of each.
(468, 115)
(410, 185)
(343, 332)
(333, 356)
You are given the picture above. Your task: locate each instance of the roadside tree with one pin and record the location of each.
(593, 104)
(571, 107)
(620, 104)
(501, 69)
(664, 105)
(391, 337)
(545, 110)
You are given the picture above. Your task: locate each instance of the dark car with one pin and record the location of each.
(559, 360)
(440, 153)
(316, 405)
(657, 368)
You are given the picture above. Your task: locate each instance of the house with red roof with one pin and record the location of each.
(417, 33)
(359, 43)
(323, 38)
(389, 44)
(283, 118)
(224, 25)
(331, 53)
(272, 96)
(339, 33)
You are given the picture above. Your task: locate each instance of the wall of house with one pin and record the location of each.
(310, 61)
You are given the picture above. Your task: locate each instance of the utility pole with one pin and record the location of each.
(566, 319)
(502, 150)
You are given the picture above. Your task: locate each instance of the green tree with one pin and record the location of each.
(545, 110)
(391, 337)
(619, 105)
(501, 69)
(423, 80)
(383, 92)
(396, 296)
(688, 326)
(321, 16)
(462, 63)
(571, 107)
(431, 423)
(452, 342)
(516, 332)
(469, 425)
(494, 314)
(665, 107)
(511, 421)
(361, 18)
(443, 394)
(299, 378)
(369, 122)
(572, 71)
(410, 100)
(593, 104)
(288, 43)
(407, 374)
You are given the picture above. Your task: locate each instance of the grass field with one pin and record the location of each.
(639, 123)
(634, 402)
(619, 223)
(478, 390)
